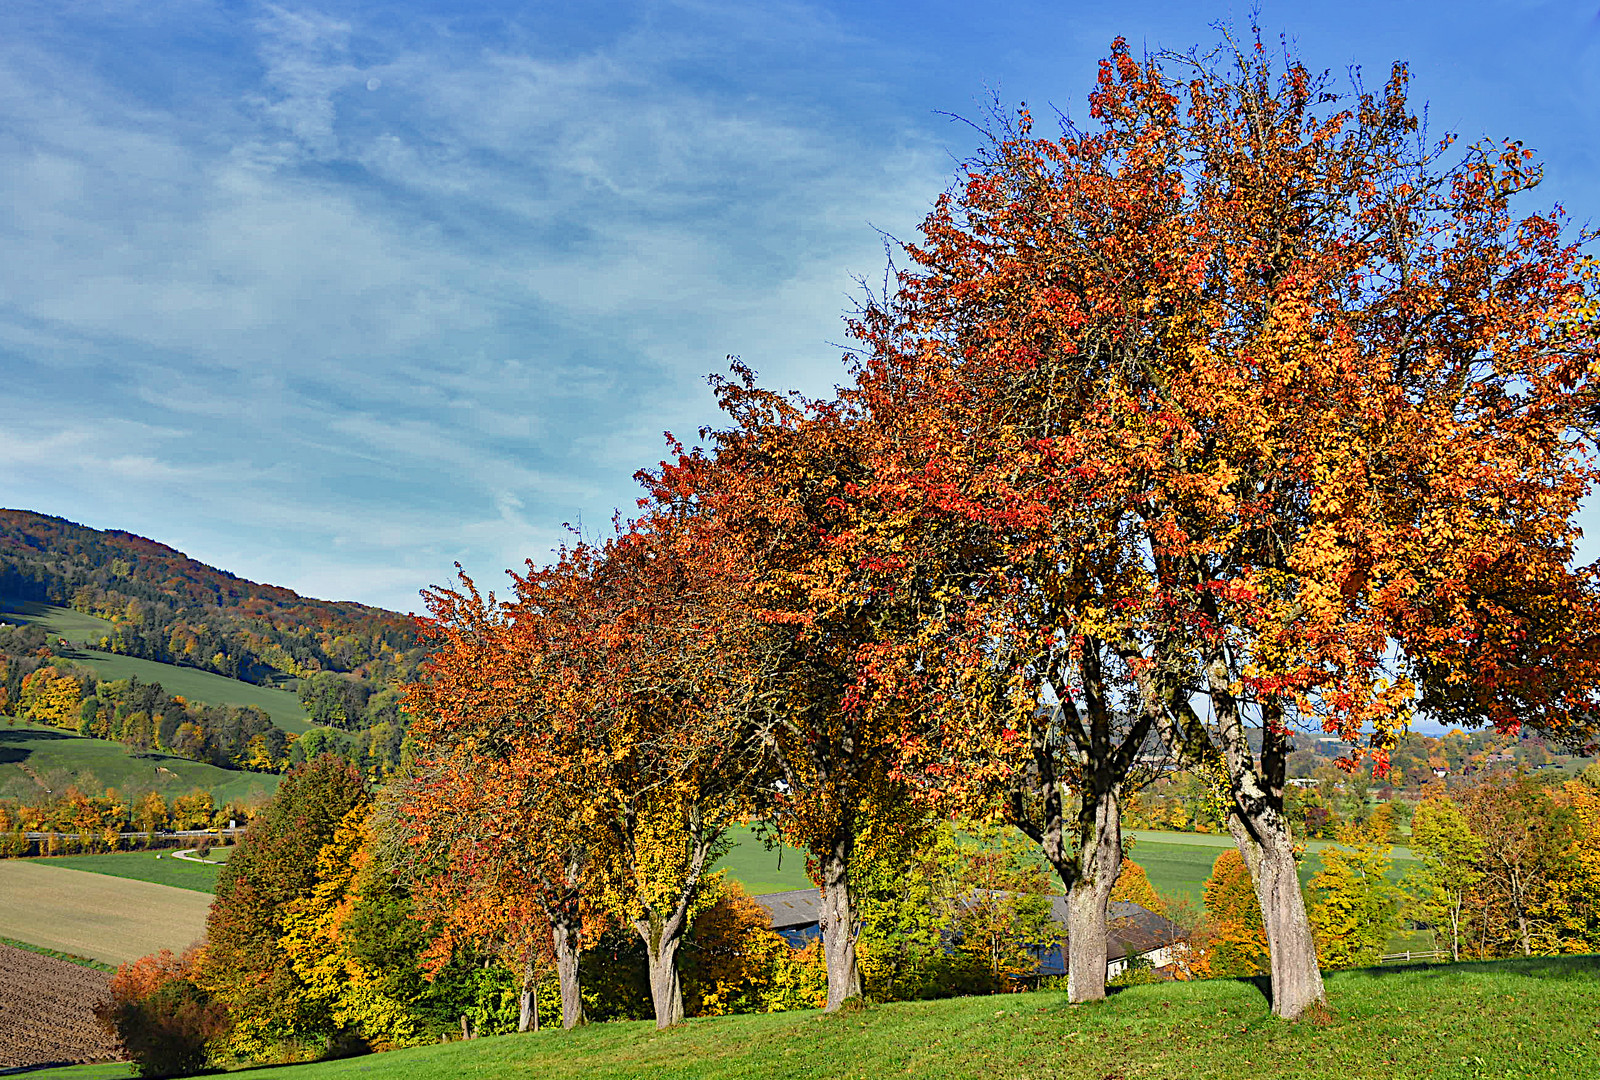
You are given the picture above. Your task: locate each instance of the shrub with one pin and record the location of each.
(161, 1018)
(1138, 972)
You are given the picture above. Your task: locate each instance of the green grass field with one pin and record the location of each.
(34, 757)
(1521, 1019)
(1176, 863)
(60, 621)
(761, 870)
(158, 867)
(191, 684)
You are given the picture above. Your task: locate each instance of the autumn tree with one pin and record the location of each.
(245, 966)
(784, 487)
(493, 808)
(1353, 910)
(617, 674)
(1319, 419)
(1235, 938)
(1133, 886)
(1449, 852)
(1526, 856)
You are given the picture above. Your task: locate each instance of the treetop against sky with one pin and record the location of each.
(334, 294)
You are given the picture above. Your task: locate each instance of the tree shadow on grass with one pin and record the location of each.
(1584, 966)
(1261, 983)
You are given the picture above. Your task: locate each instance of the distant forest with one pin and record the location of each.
(347, 660)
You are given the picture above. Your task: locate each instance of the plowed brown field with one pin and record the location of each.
(47, 1006)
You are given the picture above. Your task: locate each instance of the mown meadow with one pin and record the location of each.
(1535, 1018)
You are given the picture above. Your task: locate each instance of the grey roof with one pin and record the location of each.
(1131, 928)
(797, 907)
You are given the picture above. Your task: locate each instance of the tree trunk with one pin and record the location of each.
(528, 1003)
(1099, 864)
(1455, 927)
(838, 922)
(564, 931)
(1268, 851)
(661, 949)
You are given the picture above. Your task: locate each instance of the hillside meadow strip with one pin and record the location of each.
(111, 919)
(36, 756)
(159, 868)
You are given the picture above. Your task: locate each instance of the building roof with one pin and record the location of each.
(1132, 929)
(797, 907)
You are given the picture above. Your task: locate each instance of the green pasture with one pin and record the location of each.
(63, 622)
(761, 869)
(1519, 1019)
(35, 757)
(157, 867)
(1177, 864)
(191, 684)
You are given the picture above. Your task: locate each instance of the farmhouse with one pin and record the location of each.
(1134, 932)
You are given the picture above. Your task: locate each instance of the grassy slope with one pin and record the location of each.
(1519, 1018)
(758, 869)
(144, 866)
(30, 750)
(190, 683)
(60, 621)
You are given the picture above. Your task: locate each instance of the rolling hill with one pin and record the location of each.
(35, 758)
(159, 604)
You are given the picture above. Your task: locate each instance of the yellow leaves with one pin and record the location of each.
(333, 981)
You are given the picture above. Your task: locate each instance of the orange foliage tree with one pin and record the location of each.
(1318, 418)
(608, 697)
(784, 486)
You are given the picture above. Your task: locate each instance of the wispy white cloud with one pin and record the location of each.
(351, 334)
(336, 293)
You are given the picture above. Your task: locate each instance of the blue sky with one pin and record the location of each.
(332, 295)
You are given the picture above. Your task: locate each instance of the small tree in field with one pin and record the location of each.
(1354, 906)
(160, 1016)
(1235, 938)
(1449, 852)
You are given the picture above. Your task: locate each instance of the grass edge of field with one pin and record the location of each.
(57, 954)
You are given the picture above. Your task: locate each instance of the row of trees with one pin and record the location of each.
(1240, 411)
(319, 939)
(100, 822)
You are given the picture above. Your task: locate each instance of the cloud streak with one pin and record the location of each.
(335, 294)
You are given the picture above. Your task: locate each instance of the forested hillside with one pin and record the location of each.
(165, 606)
(77, 603)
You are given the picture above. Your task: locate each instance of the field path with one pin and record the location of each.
(107, 918)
